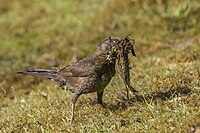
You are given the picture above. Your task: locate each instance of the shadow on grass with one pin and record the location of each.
(154, 96)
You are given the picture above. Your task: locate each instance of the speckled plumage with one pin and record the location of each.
(91, 74)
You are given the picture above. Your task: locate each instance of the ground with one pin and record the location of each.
(47, 34)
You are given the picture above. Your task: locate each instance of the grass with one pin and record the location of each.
(45, 34)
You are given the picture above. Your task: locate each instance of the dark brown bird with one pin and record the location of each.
(91, 74)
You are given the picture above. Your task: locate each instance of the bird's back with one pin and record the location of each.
(88, 75)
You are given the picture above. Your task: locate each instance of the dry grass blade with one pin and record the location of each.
(125, 46)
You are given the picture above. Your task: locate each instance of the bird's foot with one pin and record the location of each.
(71, 119)
(136, 93)
(104, 106)
(133, 90)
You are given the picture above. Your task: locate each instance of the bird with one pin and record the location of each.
(88, 75)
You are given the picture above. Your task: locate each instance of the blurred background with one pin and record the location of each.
(47, 34)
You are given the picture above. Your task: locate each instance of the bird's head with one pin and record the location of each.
(115, 45)
(116, 48)
(107, 44)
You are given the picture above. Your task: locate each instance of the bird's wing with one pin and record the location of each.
(84, 67)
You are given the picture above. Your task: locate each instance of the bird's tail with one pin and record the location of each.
(40, 73)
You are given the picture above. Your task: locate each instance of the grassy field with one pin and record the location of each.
(47, 34)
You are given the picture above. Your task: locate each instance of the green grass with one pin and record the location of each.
(45, 34)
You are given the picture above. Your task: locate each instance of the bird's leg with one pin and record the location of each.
(100, 101)
(74, 99)
(99, 97)
(127, 92)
